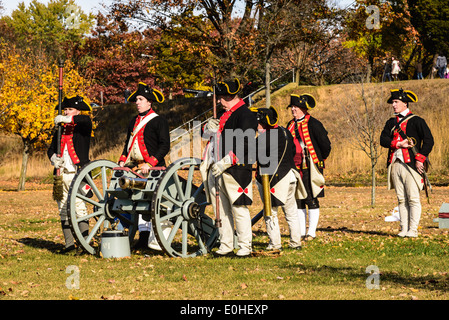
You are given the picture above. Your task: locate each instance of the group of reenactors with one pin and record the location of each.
(289, 162)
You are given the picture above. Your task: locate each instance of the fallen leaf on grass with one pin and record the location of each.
(243, 285)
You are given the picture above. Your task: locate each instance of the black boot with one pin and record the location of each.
(143, 240)
(84, 228)
(68, 237)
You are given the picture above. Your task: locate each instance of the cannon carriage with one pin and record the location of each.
(171, 198)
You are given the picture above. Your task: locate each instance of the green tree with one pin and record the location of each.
(431, 19)
(53, 28)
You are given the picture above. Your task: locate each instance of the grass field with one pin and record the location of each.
(352, 237)
(353, 240)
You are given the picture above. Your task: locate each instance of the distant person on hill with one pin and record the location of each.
(127, 93)
(441, 65)
(275, 154)
(418, 68)
(146, 145)
(387, 71)
(395, 68)
(409, 142)
(312, 149)
(74, 148)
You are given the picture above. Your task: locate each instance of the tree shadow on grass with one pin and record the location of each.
(360, 276)
(42, 244)
(344, 229)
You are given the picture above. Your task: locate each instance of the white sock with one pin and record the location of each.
(302, 220)
(314, 215)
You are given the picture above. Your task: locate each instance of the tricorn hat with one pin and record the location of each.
(227, 87)
(149, 93)
(267, 116)
(76, 102)
(403, 95)
(302, 101)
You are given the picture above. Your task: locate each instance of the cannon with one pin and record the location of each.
(168, 198)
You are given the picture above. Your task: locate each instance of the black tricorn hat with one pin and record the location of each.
(403, 95)
(302, 101)
(76, 102)
(267, 116)
(149, 93)
(225, 88)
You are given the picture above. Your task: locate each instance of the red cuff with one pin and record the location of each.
(234, 159)
(394, 143)
(419, 157)
(122, 158)
(152, 161)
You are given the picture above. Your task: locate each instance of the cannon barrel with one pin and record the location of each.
(132, 183)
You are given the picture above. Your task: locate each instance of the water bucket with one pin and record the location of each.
(115, 244)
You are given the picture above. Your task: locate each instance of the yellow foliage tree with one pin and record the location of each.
(29, 95)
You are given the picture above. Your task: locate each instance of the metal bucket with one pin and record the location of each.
(115, 244)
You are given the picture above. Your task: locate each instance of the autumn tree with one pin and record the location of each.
(114, 58)
(314, 47)
(29, 95)
(226, 28)
(180, 63)
(376, 28)
(274, 28)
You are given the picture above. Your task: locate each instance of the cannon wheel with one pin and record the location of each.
(180, 204)
(98, 175)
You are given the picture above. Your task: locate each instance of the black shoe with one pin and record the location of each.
(67, 249)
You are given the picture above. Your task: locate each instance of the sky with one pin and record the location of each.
(94, 5)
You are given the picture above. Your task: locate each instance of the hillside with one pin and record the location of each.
(346, 164)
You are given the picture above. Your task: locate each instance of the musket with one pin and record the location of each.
(217, 187)
(58, 146)
(424, 173)
(426, 180)
(57, 183)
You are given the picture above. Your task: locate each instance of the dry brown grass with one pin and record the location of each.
(349, 162)
(346, 164)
